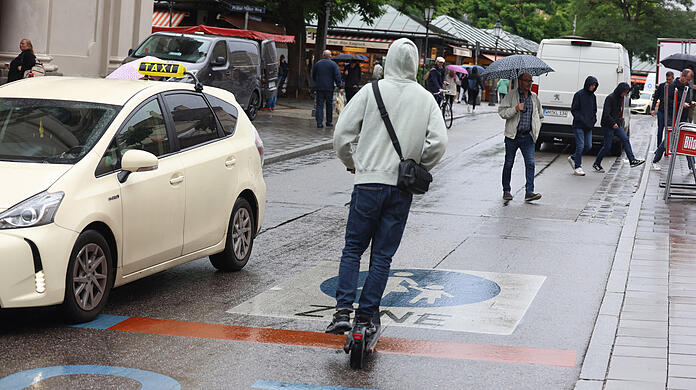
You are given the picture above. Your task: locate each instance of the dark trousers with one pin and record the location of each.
(660, 126)
(583, 144)
(609, 133)
(324, 98)
(525, 143)
(350, 92)
(473, 94)
(378, 213)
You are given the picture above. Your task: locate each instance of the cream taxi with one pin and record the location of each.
(103, 182)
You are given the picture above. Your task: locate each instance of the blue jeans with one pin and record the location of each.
(583, 144)
(378, 213)
(324, 98)
(525, 143)
(660, 126)
(660, 151)
(609, 133)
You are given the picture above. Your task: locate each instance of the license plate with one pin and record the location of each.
(558, 113)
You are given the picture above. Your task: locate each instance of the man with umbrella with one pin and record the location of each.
(682, 86)
(522, 112)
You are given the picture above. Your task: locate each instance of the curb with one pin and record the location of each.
(595, 365)
(298, 152)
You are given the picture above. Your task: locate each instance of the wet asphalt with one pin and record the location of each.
(461, 225)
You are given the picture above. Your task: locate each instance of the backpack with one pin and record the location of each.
(37, 70)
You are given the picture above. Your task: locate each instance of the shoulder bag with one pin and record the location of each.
(413, 177)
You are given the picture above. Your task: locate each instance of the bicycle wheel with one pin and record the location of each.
(447, 114)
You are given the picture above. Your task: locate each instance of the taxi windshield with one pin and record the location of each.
(51, 131)
(178, 48)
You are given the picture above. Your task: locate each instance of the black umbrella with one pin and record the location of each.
(350, 57)
(679, 61)
(512, 67)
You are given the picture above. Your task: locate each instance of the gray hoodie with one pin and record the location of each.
(413, 111)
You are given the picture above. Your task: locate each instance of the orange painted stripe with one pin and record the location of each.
(390, 345)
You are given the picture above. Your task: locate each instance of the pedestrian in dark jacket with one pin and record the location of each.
(612, 124)
(659, 96)
(282, 73)
(584, 110)
(325, 75)
(682, 86)
(353, 78)
(436, 79)
(475, 85)
(23, 62)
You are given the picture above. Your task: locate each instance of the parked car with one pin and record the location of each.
(101, 189)
(245, 67)
(573, 60)
(642, 104)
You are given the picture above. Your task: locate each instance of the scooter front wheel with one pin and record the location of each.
(357, 354)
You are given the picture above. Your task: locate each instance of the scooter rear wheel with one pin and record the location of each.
(357, 354)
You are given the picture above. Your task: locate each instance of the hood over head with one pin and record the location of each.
(621, 88)
(589, 81)
(402, 60)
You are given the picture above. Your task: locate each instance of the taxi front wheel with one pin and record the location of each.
(89, 278)
(239, 240)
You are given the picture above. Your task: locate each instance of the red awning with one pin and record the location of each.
(161, 18)
(232, 32)
(493, 58)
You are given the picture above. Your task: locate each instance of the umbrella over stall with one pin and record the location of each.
(512, 67)
(349, 57)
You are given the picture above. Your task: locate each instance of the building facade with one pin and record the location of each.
(75, 37)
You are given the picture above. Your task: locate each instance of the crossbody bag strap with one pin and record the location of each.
(385, 117)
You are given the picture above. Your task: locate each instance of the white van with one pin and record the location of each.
(573, 60)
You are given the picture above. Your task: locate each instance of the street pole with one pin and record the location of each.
(494, 91)
(246, 20)
(327, 11)
(428, 13)
(170, 13)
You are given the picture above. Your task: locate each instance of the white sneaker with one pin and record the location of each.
(656, 167)
(571, 162)
(579, 172)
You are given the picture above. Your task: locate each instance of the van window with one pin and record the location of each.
(175, 48)
(244, 54)
(145, 130)
(194, 123)
(226, 114)
(220, 50)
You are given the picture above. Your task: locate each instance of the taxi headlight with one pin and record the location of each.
(35, 211)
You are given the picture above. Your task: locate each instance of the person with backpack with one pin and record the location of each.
(613, 124)
(378, 209)
(23, 62)
(584, 110)
(475, 85)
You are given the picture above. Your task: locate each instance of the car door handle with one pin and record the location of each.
(176, 180)
(231, 162)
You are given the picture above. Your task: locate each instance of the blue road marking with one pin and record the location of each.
(103, 321)
(427, 288)
(148, 379)
(272, 385)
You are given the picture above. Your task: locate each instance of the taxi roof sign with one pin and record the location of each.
(161, 69)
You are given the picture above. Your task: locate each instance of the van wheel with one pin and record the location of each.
(89, 279)
(254, 105)
(239, 241)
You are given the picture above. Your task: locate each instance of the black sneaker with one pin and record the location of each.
(366, 322)
(636, 163)
(532, 196)
(598, 168)
(329, 125)
(320, 126)
(340, 323)
(507, 195)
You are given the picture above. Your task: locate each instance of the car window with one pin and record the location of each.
(51, 131)
(145, 130)
(646, 96)
(194, 123)
(175, 48)
(225, 112)
(220, 50)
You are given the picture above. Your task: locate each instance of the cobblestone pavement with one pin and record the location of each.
(645, 335)
(610, 202)
(290, 128)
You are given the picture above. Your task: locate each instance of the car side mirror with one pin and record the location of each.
(130, 52)
(136, 161)
(219, 61)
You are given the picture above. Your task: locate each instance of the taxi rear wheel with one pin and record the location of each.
(239, 240)
(89, 278)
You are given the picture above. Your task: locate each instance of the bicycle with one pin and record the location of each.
(446, 107)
